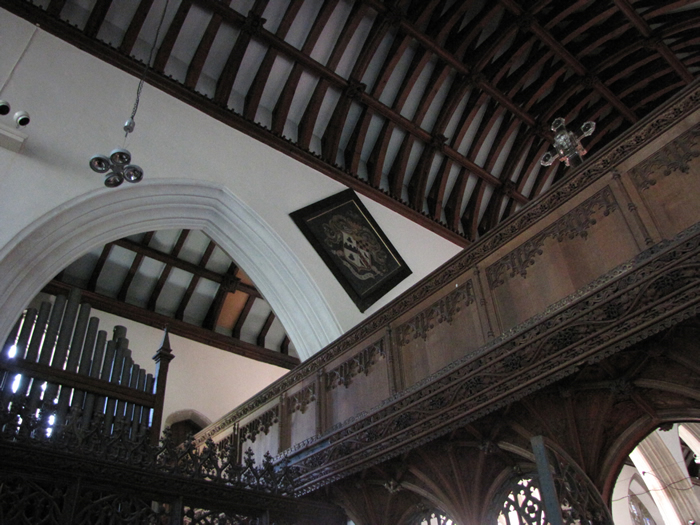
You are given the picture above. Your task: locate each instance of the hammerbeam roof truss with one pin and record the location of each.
(439, 109)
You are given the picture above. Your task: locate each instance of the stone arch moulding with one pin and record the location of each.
(183, 415)
(630, 438)
(42, 249)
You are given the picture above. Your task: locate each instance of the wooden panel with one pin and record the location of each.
(581, 245)
(356, 384)
(439, 334)
(668, 182)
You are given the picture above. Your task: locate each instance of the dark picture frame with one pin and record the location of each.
(352, 245)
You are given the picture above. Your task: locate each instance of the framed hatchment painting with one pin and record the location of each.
(353, 247)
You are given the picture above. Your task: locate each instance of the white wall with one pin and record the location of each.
(201, 378)
(78, 104)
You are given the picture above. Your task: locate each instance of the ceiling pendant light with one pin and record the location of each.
(117, 168)
(569, 149)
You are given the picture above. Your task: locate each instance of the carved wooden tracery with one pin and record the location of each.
(440, 111)
(361, 363)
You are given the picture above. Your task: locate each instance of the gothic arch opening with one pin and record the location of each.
(658, 483)
(53, 241)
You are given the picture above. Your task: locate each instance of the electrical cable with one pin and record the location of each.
(664, 487)
(129, 126)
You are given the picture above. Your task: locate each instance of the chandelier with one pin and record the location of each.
(569, 149)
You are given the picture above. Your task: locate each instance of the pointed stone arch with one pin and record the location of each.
(52, 242)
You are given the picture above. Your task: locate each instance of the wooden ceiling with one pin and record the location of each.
(183, 280)
(438, 109)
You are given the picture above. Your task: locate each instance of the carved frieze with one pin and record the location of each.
(656, 290)
(672, 158)
(574, 224)
(441, 311)
(300, 400)
(260, 425)
(360, 363)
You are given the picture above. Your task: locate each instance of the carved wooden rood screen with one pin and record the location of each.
(77, 438)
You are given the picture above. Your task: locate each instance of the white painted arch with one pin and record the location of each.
(42, 249)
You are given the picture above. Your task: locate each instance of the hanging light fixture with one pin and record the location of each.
(569, 149)
(117, 168)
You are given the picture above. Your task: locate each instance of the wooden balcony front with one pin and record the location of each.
(606, 258)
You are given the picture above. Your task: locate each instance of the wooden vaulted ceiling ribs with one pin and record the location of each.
(439, 109)
(163, 287)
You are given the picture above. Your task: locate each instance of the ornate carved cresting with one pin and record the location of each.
(98, 442)
(302, 399)
(672, 158)
(441, 311)
(654, 291)
(260, 425)
(574, 224)
(360, 363)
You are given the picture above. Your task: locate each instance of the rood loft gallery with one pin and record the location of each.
(331, 261)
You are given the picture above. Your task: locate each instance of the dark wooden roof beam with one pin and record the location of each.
(166, 46)
(217, 111)
(442, 26)
(97, 16)
(132, 32)
(470, 217)
(165, 273)
(456, 63)
(568, 57)
(184, 301)
(55, 7)
(544, 173)
(353, 150)
(419, 180)
(375, 162)
(228, 285)
(224, 84)
(190, 331)
(181, 264)
(252, 99)
(524, 147)
(97, 270)
(236, 332)
(642, 26)
(283, 104)
(454, 200)
(440, 75)
(419, 133)
(397, 172)
(265, 329)
(124, 288)
(194, 70)
(436, 195)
